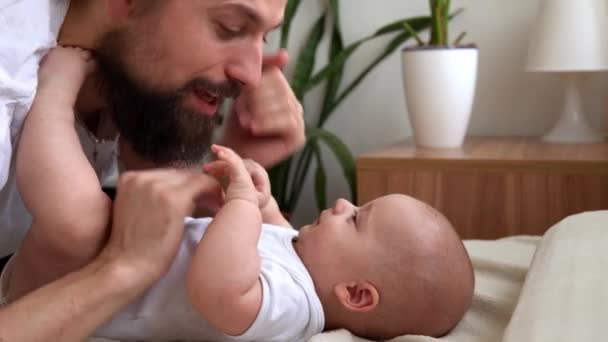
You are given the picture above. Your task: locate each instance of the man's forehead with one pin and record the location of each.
(269, 10)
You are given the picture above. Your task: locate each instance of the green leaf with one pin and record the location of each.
(418, 23)
(411, 31)
(320, 180)
(337, 64)
(390, 48)
(307, 58)
(341, 152)
(279, 176)
(299, 177)
(337, 45)
(290, 12)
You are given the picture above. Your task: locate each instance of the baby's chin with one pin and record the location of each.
(304, 229)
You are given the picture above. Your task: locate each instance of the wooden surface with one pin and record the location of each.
(493, 187)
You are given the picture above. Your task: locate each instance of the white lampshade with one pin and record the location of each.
(570, 35)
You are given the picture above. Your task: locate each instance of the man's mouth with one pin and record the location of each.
(206, 102)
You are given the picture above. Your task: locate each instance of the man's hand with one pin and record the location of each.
(266, 123)
(149, 214)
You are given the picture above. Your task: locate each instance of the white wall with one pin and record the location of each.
(509, 100)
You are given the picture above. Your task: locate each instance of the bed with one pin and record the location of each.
(532, 288)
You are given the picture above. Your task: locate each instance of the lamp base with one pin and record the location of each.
(572, 126)
(567, 130)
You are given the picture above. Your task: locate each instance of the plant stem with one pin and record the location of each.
(460, 38)
(445, 17)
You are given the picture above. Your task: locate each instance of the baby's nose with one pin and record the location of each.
(340, 206)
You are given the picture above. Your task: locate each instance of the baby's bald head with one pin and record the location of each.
(421, 270)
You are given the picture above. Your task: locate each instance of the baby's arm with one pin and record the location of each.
(223, 282)
(268, 205)
(56, 181)
(272, 214)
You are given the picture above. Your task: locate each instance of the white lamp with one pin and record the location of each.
(570, 37)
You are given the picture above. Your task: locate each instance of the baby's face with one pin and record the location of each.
(346, 234)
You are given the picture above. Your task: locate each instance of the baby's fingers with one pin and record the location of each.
(234, 163)
(217, 168)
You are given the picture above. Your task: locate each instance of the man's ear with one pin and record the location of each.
(357, 296)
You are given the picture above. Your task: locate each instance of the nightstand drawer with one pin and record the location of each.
(493, 187)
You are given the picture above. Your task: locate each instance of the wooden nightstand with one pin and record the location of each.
(493, 187)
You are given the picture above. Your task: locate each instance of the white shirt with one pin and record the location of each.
(290, 310)
(28, 29)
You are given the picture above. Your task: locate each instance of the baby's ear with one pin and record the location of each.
(357, 296)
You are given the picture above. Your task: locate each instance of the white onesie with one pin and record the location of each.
(290, 310)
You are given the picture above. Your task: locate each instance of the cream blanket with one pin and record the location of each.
(548, 289)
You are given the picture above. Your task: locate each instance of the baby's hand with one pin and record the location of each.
(260, 179)
(230, 164)
(62, 73)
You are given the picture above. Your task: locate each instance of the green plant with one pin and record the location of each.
(440, 17)
(287, 179)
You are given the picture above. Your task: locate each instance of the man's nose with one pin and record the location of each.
(340, 206)
(245, 66)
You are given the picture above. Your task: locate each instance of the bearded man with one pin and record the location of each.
(164, 68)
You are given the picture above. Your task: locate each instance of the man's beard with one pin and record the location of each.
(156, 123)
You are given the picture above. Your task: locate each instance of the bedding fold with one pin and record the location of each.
(565, 296)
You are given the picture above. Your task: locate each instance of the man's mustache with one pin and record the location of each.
(227, 89)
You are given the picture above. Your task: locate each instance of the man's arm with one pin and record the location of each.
(71, 308)
(147, 227)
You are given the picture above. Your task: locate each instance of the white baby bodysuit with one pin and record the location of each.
(290, 310)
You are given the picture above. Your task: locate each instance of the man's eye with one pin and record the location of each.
(230, 31)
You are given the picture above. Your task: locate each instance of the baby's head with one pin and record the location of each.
(394, 266)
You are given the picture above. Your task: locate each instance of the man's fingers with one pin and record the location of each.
(242, 111)
(196, 187)
(277, 60)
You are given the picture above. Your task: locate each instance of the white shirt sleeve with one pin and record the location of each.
(28, 29)
(6, 148)
(285, 314)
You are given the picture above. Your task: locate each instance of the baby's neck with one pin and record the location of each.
(330, 306)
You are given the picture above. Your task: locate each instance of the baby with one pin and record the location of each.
(391, 267)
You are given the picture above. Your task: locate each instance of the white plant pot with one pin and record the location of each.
(439, 87)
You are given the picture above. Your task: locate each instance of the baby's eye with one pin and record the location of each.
(354, 216)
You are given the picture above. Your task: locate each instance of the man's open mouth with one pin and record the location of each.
(206, 102)
(206, 96)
